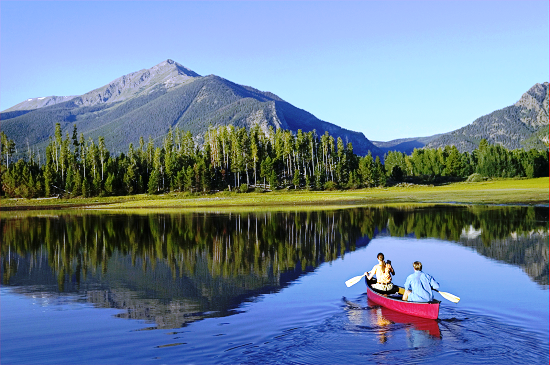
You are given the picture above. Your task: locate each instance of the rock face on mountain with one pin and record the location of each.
(150, 102)
(166, 75)
(522, 125)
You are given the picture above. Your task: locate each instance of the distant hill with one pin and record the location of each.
(522, 125)
(405, 145)
(35, 103)
(151, 101)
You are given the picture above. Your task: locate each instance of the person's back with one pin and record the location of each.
(383, 272)
(419, 285)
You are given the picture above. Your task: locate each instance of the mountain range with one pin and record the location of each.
(151, 101)
(405, 145)
(521, 125)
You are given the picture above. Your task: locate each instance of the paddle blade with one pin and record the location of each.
(449, 296)
(354, 280)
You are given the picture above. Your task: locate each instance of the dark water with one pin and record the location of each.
(97, 288)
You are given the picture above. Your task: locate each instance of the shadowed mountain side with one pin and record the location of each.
(149, 102)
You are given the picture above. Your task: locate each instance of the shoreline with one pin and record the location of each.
(522, 192)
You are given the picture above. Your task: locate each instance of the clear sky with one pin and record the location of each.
(389, 69)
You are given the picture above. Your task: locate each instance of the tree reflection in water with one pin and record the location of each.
(180, 267)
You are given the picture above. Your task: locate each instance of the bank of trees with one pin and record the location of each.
(237, 159)
(448, 163)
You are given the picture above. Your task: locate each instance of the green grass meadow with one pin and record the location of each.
(505, 191)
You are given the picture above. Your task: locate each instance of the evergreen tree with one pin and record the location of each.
(379, 172)
(154, 181)
(77, 184)
(273, 180)
(366, 171)
(189, 179)
(453, 164)
(109, 184)
(85, 188)
(296, 179)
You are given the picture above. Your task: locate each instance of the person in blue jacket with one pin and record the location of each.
(419, 285)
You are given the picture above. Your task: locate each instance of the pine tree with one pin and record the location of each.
(109, 184)
(154, 181)
(296, 179)
(366, 171)
(189, 178)
(379, 172)
(85, 188)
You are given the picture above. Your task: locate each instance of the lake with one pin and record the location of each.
(86, 287)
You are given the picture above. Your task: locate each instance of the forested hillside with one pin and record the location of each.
(522, 125)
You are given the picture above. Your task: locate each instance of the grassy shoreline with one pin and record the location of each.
(506, 191)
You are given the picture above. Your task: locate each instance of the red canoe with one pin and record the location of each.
(393, 301)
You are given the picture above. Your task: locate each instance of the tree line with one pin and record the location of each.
(487, 160)
(253, 245)
(238, 159)
(245, 246)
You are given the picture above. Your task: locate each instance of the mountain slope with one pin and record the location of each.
(405, 145)
(149, 102)
(522, 125)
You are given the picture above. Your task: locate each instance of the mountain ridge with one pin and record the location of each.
(168, 95)
(521, 125)
(148, 102)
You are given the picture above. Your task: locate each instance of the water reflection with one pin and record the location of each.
(417, 328)
(384, 323)
(173, 269)
(514, 235)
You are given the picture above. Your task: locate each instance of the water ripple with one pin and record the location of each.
(372, 335)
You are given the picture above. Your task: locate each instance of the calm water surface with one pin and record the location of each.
(204, 288)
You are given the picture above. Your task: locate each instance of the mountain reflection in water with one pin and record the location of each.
(175, 268)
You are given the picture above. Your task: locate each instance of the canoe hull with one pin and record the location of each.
(431, 326)
(423, 310)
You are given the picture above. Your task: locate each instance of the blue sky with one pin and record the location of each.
(388, 69)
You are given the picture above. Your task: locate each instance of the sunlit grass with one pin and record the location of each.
(505, 191)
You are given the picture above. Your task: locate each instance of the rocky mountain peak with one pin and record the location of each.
(534, 97)
(172, 66)
(165, 75)
(521, 125)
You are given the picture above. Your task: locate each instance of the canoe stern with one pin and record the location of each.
(424, 310)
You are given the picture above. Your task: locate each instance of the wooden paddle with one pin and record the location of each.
(354, 280)
(448, 296)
